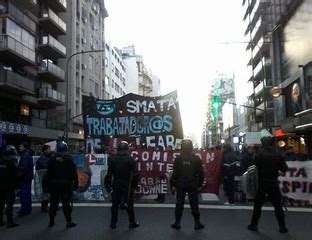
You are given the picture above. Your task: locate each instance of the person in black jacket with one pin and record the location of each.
(187, 177)
(122, 169)
(8, 184)
(62, 179)
(269, 163)
(229, 161)
(42, 164)
(26, 175)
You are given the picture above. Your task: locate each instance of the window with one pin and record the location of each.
(24, 110)
(20, 34)
(90, 62)
(77, 108)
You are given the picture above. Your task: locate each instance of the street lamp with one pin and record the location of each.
(67, 119)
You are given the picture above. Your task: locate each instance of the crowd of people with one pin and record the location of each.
(60, 180)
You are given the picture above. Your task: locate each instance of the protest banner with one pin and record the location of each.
(296, 183)
(156, 121)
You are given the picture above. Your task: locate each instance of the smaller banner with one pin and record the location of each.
(296, 183)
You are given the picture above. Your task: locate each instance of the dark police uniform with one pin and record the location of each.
(8, 184)
(62, 179)
(269, 162)
(122, 169)
(187, 177)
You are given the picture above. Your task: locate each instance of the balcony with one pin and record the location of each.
(18, 16)
(58, 5)
(50, 97)
(259, 70)
(51, 48)
(15, 83)
(16, 51)
(51, 72)
(257, 11)
(263, 85)
(52, 23)
(31, 5)
(264, 106)
(260, 29)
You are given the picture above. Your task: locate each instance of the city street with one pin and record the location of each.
(222, 222)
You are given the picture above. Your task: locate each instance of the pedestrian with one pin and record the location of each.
(26, 175)
(8, 184)
(122, 169)
(42, 164)
(229, 161)
(269, 163)
(187, 177)
(62, 180)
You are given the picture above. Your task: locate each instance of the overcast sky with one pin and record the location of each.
(183, 42)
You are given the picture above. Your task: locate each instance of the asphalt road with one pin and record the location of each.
(221, 223)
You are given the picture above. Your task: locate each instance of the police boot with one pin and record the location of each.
(198, 225)
(113, 225)
(252, 227)
(69, 222)
(282, 228)
(51, 222)
(10, 222)
(176, 224)
(133, 225)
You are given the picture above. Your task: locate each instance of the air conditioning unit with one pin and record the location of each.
(84, 40)
(83, 66)
(84, 20)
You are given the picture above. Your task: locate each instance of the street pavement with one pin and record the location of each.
(222, 222)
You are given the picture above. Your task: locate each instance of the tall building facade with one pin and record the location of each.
(116, 75)
(86, 72)
(281, 58)
(140, 80)
(30, 50)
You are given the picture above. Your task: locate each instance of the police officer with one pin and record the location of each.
(269, 163)
(8, 183)
(62, 179)
(122, 169)
(187, 177)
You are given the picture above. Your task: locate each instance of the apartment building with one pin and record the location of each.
(86, 69)
(30, 73)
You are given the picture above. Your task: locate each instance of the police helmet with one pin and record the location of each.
(187, 146)
(267, 141)
(9, 150)
(61, 147)
(122, 147)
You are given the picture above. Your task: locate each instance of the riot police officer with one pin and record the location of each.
(187, 177)
(122, 169)
(62, 179)
(8, 183)
(269, 162)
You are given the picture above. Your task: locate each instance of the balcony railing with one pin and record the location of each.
(264, 62)
(52, 16)
(262, 85)
(9, 43)
(16, 82)
(49, 67)
(58, 5)
(51, 41)
(49, 94)
(20, 17)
